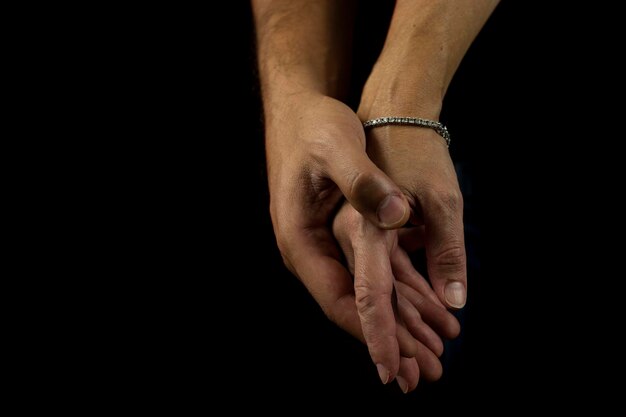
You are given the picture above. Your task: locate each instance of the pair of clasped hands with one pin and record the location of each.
(340, 197)
(338, 209)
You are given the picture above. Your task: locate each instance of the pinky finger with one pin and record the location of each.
(408, 375)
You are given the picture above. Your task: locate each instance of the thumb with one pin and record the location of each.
(368, 189)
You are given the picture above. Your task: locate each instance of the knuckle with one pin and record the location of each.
(409, 350)
(452, 258)
(449, 200)
(355, 181)
(368, 297)
(362, 185)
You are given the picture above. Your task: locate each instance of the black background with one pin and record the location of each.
(218, 314)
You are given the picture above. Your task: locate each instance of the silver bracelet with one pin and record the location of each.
(411, 121)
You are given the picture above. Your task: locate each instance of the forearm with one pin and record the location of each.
(426, 42)
(302, 47)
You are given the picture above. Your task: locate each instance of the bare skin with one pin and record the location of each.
(379, 256)
(318, 155)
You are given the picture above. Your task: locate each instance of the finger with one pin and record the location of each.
(344, 220)
(407, 343)
(435, 316)
(404, 271)
(314, 257)
(373, 286)
(411, 239)
(418, 328)
(365, 186)
(429, 364)
(445, 247)
(408, 375)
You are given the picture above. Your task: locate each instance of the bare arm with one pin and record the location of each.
(303, 46)
(426, 42)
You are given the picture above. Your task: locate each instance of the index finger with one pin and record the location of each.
(373, 286)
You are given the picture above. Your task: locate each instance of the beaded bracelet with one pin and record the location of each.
(410, 121)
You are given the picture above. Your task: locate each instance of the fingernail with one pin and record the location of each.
(383, 373)
(455, 294)
(403, 385)
(391, 210)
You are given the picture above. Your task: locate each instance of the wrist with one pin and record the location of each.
(280, 82)
(284, 108)
(401, 93)
(286, 91)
